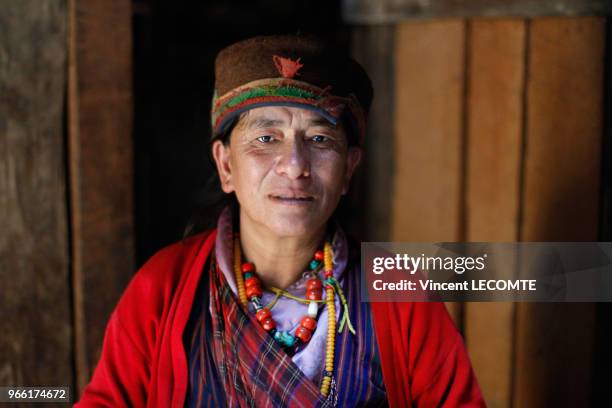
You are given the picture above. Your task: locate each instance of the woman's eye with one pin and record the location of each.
(265, 139)
(319, 138)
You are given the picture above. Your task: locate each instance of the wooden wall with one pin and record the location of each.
(100, 162)
(35, 313)
(66, 239)
(496, 131)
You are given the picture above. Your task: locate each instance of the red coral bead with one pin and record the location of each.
(263, 314)
(313, 294)
(248, 267)
(253, 291)
(318, 255)
(309, 323)
(303, 334)
(328, 274)
(314, 283)
(252, 281)
(268, 324)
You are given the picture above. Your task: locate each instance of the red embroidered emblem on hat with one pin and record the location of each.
(288, 68)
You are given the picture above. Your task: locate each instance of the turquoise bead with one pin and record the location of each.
(314, 264)
(284, 339)
(290, 342)
(248, 275)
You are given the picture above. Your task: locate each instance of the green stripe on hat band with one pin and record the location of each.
(251, 93)
(288, 91)
(270, 101)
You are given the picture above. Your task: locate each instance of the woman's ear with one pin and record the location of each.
(222, 153)
(353, 158)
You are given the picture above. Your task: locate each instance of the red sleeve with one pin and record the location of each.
(434, 368)
(441, 374)
(123, 373)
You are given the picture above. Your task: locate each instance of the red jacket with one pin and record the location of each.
(143, 361)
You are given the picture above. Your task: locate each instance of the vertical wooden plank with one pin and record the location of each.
(35, 345)
(495, 113)
(373, 47)
(560, 201)
(428, 130)
(100, 142)
(427, 184)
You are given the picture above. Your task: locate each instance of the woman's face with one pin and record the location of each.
(288, 167)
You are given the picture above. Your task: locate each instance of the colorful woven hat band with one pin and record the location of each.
(285, 92)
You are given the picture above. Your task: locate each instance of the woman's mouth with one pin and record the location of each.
(292, 199)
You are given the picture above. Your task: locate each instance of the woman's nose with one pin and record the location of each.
(294, 160)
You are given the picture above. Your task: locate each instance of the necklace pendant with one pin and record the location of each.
(284, 339)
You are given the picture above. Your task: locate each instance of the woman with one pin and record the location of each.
(265, 309)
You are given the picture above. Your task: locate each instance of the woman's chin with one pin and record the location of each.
(293, 227)
(287, 222)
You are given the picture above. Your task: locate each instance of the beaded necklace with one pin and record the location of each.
(249, 289)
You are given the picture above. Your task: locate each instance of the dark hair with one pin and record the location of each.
(211, 199)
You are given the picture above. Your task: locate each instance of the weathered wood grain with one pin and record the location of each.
(35, 315)
(495, 106)
(428, 149)
(100, 162)
(560, 200)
